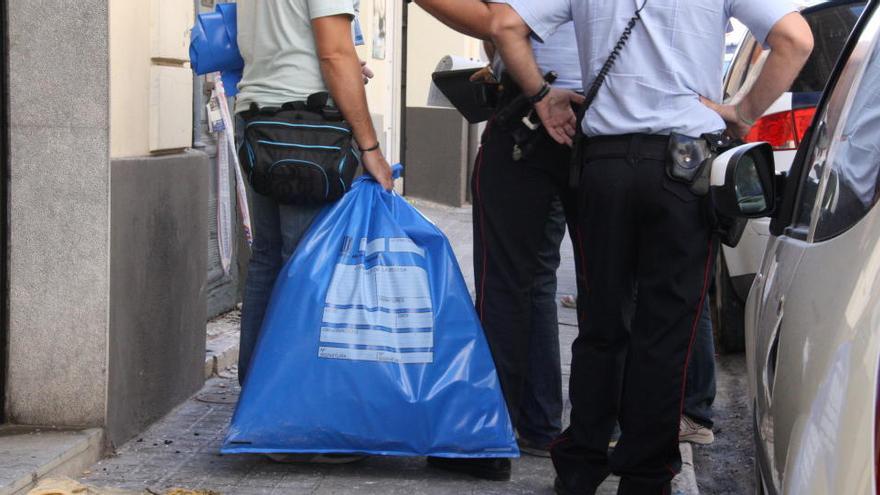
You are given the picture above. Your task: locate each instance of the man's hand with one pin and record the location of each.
(736, 127)
(484, 75)
(366, 72)
(790, 41)
(557, 116)
(510, 35)
(375, 163)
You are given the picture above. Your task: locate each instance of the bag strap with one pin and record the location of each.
(593, 91)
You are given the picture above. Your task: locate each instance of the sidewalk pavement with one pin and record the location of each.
(182, 450)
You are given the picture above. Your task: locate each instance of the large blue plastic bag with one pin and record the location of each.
(214, 45)
(371, 344)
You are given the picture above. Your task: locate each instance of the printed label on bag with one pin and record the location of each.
(375, 311)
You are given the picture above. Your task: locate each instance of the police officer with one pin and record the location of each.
(647, 239)
(520, 206)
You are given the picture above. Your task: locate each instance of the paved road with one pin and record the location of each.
(727, 466)
(182, 449)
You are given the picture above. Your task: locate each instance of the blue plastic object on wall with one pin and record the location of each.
(214, 46)
(371, 344)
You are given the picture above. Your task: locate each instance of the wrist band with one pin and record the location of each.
(371, 148)
(545, 90)
(742, 119)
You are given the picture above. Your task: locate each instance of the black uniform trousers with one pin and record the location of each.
(511, 204)
(645, 261)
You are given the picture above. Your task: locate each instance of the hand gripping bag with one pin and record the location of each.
(371, 344)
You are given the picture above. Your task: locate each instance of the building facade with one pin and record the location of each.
(109, 264)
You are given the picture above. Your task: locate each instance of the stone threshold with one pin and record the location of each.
(28, 454)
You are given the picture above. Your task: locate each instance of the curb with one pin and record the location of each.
(222, 354)
(222, 343)
(71, 460)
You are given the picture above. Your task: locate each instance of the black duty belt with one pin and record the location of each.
(647, 146)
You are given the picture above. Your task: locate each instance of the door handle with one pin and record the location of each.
(772, 358)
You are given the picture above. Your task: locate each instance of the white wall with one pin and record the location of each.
(429, 40)
(150, 78)
(383, 92)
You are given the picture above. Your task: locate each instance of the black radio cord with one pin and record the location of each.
(591, 93)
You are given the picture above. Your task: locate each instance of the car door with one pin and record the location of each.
(812, 345)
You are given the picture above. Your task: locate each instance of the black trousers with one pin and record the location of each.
(645, 257)
(512, 202)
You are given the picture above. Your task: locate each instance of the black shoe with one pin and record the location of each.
(493, 469)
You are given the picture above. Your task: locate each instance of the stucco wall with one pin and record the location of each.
(438, 140)
(157, 287)
(58, 213)
(83, 351)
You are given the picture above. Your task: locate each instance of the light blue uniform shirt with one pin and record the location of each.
(558, 53)
(674, 55)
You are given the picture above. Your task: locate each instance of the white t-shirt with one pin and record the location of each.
(278, 46)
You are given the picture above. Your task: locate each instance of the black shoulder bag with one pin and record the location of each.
(300, 153)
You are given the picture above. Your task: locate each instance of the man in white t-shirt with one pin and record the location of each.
(293, 49)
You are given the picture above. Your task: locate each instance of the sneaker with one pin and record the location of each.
(533, 448)
(693, 432)
(316, 458)
(493, 469)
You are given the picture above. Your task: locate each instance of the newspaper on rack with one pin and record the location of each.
(220, 122)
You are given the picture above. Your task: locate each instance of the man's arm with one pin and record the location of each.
(791, 42)
(511, 36)
(470, 17)
(341, 69)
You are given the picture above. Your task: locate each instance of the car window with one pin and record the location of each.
(831, 27)
(844, 157)
(741, 65)
(852, 184)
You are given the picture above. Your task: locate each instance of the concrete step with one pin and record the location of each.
(28, 454)
(222, 345)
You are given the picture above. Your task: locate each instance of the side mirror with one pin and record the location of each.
(742, 181)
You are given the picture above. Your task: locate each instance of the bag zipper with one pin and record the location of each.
(301, 146)
(304, 126)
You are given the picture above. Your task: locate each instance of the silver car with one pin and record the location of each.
(783, 126)
(812, 319)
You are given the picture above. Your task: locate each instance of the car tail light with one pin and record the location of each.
(783, 130)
